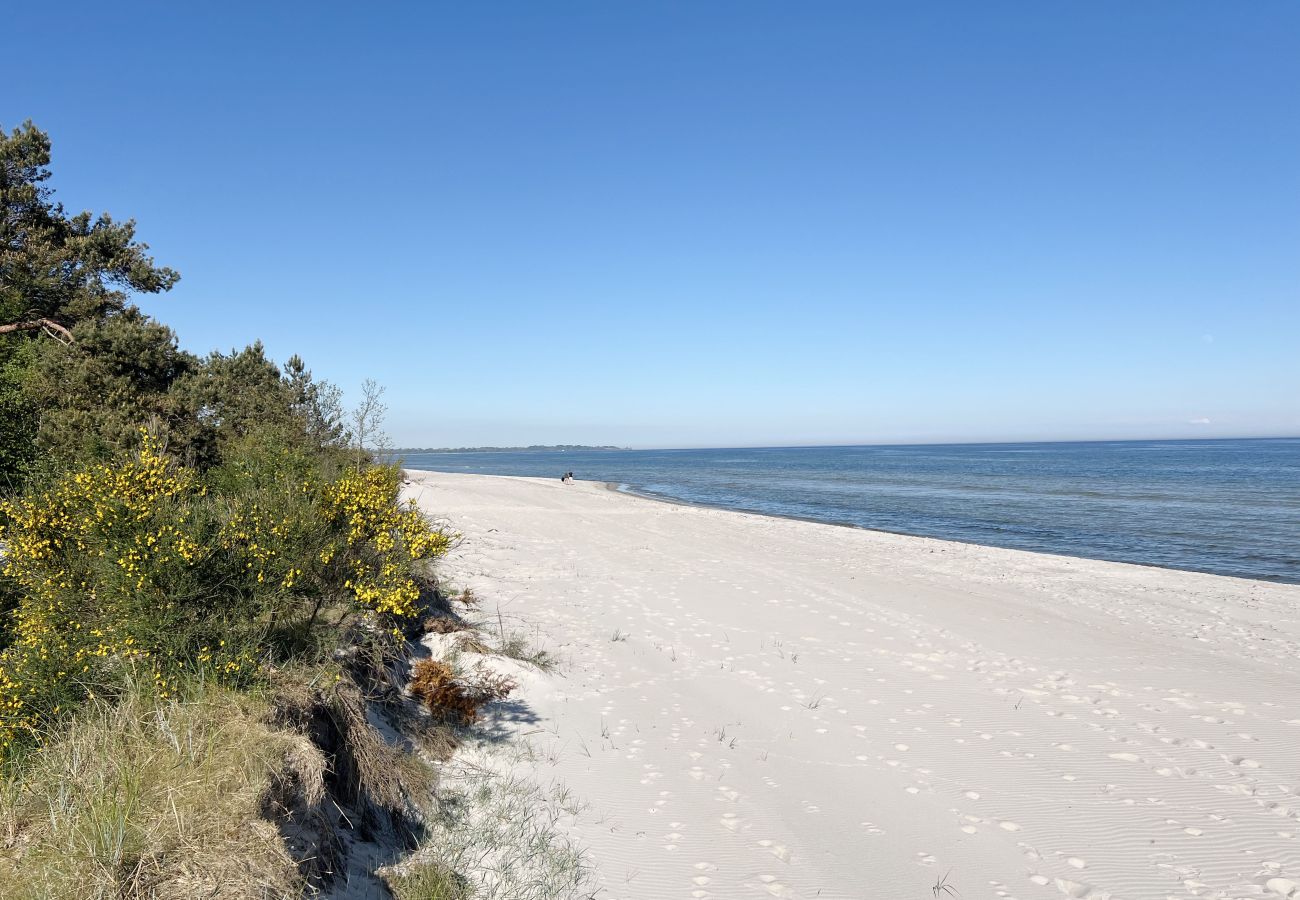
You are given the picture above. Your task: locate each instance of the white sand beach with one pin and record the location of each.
(760, 707)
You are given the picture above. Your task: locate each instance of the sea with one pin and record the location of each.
(1228, 507)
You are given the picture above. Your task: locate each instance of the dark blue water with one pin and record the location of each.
(1231, 507)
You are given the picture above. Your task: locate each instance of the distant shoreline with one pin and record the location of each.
(534, 448)
(892, 445)
(1172, 508)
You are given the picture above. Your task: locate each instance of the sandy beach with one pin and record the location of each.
(759, 707)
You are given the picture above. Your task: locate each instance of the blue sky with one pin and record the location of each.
(694, 224)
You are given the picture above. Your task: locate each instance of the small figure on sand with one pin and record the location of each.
(567, 478)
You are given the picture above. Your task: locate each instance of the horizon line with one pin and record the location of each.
(828, 446)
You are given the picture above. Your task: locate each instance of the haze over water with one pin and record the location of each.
(1230, 507)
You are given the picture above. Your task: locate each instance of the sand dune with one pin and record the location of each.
(758, 707)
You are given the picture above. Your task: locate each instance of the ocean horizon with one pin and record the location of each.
(1222, 506)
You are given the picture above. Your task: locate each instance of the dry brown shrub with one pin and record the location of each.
(438, 739)
(453, 698)
(444, 625)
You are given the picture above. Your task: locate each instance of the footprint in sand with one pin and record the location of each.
(770, 884)
(1283, 887)
(1075, 889)
(1000, 891)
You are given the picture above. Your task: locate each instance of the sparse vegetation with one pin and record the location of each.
(942, 888)
(469, 642)
(427, 881)
(519, 646)
(506, 827)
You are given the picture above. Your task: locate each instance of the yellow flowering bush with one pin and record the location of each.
(379, 540)
(89, 561)
(146, 568)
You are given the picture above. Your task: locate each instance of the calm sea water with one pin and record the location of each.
(1230, 507)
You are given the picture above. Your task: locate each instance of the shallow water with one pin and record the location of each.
(1230, 507)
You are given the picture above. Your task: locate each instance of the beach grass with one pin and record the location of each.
(146, 797)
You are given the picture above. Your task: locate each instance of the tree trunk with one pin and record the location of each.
(49, 326)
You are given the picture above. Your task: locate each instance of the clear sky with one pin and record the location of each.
(710, 223)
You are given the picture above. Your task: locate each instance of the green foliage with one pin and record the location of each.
(317, 404)
(77, 272)
(234, 394)
(94, 394)
(65, 404)
(19, 420)
(84, 402)
(66, 268)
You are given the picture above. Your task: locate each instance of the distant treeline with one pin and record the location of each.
(532, 447)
